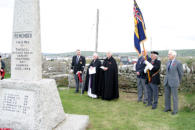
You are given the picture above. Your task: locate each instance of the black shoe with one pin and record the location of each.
(82, 92)
(144, 102)
(76, 92)
(167, 110)
(148, 105)
(139, 101)
(154, 108)
(173, 113)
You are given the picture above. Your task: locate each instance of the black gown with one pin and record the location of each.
(109, 80)
(94, 78)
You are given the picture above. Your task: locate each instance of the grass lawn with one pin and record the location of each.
(7, 75)
(125, 113)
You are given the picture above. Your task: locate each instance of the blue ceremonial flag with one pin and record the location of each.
(139, 34)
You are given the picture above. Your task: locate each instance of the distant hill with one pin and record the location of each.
(162, 53)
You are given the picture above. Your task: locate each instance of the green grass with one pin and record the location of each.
(190, 102)
(7, 75)
(125, 113)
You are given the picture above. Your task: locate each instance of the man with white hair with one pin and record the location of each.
(173, 77)
(109, 76)
(92, 77)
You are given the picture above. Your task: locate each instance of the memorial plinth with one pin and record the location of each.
(33, 105)
(28, 102)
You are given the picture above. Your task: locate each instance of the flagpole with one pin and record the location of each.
(97, 29)
(149, 78)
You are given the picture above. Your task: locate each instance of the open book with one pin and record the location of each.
(92, 70)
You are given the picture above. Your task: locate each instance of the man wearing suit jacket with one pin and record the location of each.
(77, 67)
(153, 80)
(141, 78)
(173, 77)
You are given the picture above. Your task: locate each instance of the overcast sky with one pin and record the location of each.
(70, 24)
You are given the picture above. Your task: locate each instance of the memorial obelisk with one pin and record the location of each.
(28, 102)
(26, 47)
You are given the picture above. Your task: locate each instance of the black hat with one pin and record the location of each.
(154, 52)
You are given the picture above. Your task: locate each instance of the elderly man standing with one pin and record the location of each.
(92, 77)
(153, 80)
(174, 73)
(110, 78)
(141, 78)
(77, 66)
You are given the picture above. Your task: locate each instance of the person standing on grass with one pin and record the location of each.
(92, 78)
(2, 69)
(153, 80)
(141, 78)
(77, 67)
(109, 78)
(173, 77)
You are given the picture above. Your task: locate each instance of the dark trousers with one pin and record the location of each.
(168, 92)
(78, 83)
(152, 94)
(142, 90)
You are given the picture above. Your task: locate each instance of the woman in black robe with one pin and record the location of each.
(109, 78)
(92, 80)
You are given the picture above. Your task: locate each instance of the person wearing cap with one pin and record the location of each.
(2, 69)
(77, 67)
(173, 77)
(153, 80)
(141, 78)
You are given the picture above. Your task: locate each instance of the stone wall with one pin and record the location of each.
(59, 70)
(127, 78)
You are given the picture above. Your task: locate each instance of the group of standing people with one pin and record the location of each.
(101, 78)
(148, 80)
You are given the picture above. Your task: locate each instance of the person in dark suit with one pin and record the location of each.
(173, 77)
(92, 79)
(2, 69)
(141, 78)
(77, 67)
(153, 80)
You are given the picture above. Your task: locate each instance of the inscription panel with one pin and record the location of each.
(22, 52)
(17, 105)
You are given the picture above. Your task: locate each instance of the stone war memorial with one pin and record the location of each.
(28, 102)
